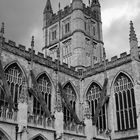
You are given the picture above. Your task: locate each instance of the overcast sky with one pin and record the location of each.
(24, 18)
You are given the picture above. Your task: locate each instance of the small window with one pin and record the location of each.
(54, 35)
(67, 28)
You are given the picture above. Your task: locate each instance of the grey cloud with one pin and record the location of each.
(23, 16)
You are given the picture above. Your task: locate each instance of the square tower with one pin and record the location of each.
(77, 30)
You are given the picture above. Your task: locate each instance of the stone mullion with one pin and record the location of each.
(123, 110)
(132, 108)
(128, 107)
(119, 111)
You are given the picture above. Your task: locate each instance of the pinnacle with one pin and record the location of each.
(132, 35)
(48, 7)
(2, 28)
(95, 2)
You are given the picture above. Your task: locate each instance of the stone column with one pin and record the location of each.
(22, 113)
(90, 130)
(58, 116)
(136, 76)
(135, 65)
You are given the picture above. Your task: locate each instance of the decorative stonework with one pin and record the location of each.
(23, 95)
(87, 112)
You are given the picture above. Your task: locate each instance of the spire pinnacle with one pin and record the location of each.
(132, 35)
(2, 28)
(95, 2)
(32, 42)
(48, 7)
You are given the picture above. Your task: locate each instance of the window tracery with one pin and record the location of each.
(45, 88)
(125, 103)
(14, 78)
(71, 96)
(92, 98)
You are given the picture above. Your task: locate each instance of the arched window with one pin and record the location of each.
(14, 78)
(3, 136)
(125, 103)
(3, 102)
(71, 96)
(38, 138)
(92, 98)
(45, 88)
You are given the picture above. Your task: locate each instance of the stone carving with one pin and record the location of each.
(23, 94)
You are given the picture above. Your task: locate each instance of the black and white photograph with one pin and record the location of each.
(69, 70)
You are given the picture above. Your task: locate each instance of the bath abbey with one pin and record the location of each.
(71, 91)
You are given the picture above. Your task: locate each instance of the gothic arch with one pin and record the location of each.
(124, 101)
(5, 134)
(49, 77)
(70, 92)
(16, 79)
(38, 135)
(74, 88)
(87, 88)
(47, 89)
(92, 97)
(123, 72)
(19, 65)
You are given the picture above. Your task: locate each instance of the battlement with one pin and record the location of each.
(62, 13)
(114, 62)
(67, 10)
(21, 50)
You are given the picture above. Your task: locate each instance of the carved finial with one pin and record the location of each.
(104, 54)
(95, 2)
(32, 42)
(132, 35)
(59, 5)
(48, 7)
(89, 2)
(32, 52)
(2, 28)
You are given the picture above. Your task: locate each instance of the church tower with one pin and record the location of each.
(78, 28)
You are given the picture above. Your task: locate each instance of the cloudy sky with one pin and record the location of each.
(23, 18)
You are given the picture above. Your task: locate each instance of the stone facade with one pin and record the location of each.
(27, 121)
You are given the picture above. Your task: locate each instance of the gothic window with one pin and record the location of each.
(3, 102)
(71, 96)
(45, 88)
(125, 103)
(66, 27)
(38, 138)
(14, 78)
(53, 33)
(92, 98)
(3, 136)
(66, 52)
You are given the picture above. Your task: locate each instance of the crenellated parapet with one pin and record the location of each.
(67, 11)
(20, 50)
(10, 46)
(114, 62)
(59, 15)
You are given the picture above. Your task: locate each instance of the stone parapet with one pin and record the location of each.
(40, 122)
(6, 116)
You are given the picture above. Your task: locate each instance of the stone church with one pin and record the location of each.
(97, 98)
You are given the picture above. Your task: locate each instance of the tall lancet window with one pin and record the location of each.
(92, 98)
(71, 96)
(125, 103)
(15, 79)
(45, 88)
